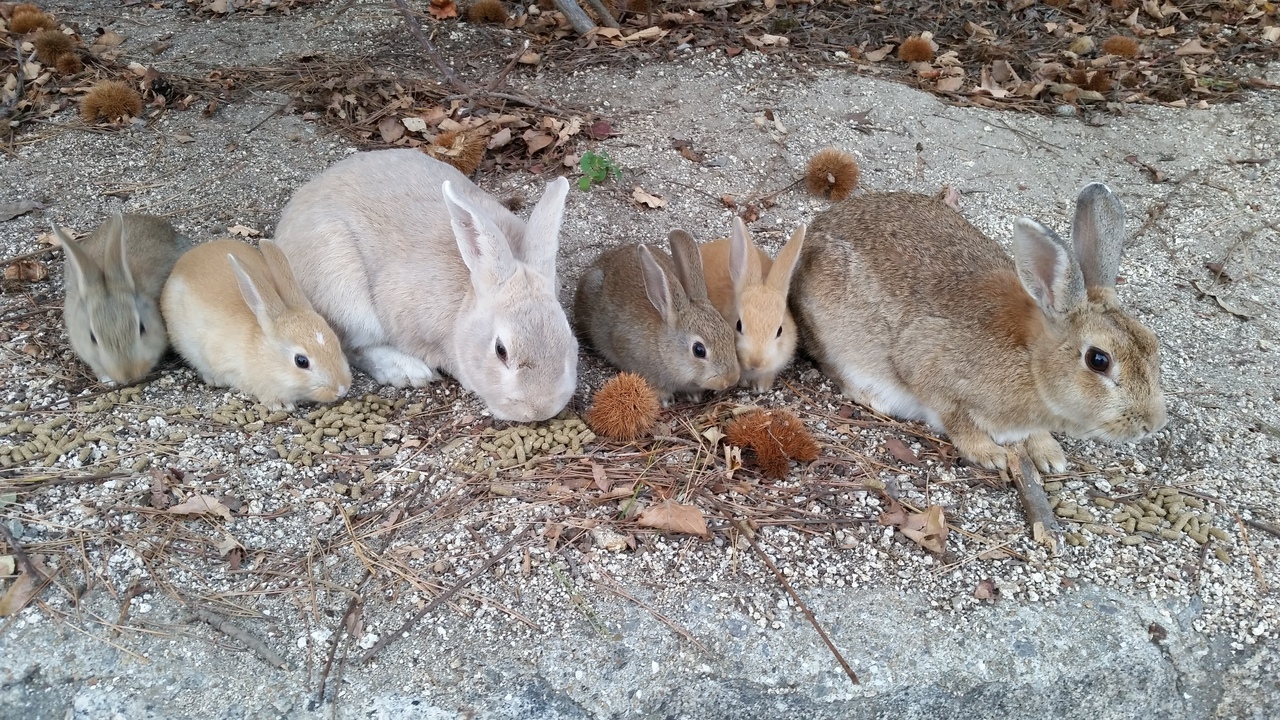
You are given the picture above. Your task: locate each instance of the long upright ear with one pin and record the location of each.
(252, 297)
(282, 276)
(1098, 235)
(744, 262)
(81, 268)
(780, 273)
(542, 233)
(656, 286)
(116, 258)
(1046, 267)
(484, 248)
(684, 251)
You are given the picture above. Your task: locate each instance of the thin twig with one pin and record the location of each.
(445, 71)
(230, 629)
(603, 13)
(1262, 525)
(1035, 503)
(515, 59)
(749, 535)
(443, 597)
(23, 559)
(613, 587)
(30, 255)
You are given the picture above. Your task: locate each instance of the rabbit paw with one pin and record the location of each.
(391, 367)
(1046, 453)
(759, 383)
(974, 444)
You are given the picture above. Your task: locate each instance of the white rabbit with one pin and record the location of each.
(420, 271)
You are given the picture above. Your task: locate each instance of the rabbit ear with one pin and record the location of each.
(684, 251)
(282, 275)
(780, 272)
(542, 233)
(80, 264)
(252, 296)
(744, 262)
(656, 286)
(484, 248)
(116, 260)
(1098, 235)
(1046, 267)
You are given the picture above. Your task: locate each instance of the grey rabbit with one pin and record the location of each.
(112, 283)
(648, 313)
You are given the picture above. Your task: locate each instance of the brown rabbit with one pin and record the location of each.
(915, 313)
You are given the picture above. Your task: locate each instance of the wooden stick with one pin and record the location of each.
(24, 561)
(30, 255)
(230, 629)
(603, 13)
(442, 598)
(445, 71)
(1035, 503)
(579, 19)
(747, 533)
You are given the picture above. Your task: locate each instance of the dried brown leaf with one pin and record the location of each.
(443, 9)
(26, 271)
(21, 591)
(671, 516)
(202, 505)
(391, 129)
(899, 450)
(16, 208)
(643, 198)
(927, 529)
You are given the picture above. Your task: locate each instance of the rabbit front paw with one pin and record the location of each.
(389, 366)
(1046, 453)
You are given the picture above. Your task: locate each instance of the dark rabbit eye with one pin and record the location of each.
(779, 331)
(501, 350)
(739, 326)
(142, 329)
(93, 338)
(699, 350)
(1097, 360)
(302, 361)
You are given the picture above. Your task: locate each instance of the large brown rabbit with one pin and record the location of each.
(917, 314)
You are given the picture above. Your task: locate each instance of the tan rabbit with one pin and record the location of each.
(648, 313)
(915, 313)
(750, 291)
(112, 283)
(237, 315)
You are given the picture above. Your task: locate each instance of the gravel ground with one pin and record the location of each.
(669, 626)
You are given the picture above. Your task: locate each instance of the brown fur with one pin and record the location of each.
(901, 287)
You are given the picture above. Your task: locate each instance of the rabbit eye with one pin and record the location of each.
(142, 329)
(739, 326)
(699, 350)
(779, 332)
(302, 361)
(93, 338)
(501, 350)
(1097, 360)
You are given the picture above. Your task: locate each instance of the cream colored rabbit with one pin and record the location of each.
(750, 291)
(237, 315)
(915, 313)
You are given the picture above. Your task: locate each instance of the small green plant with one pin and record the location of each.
(596, 169)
